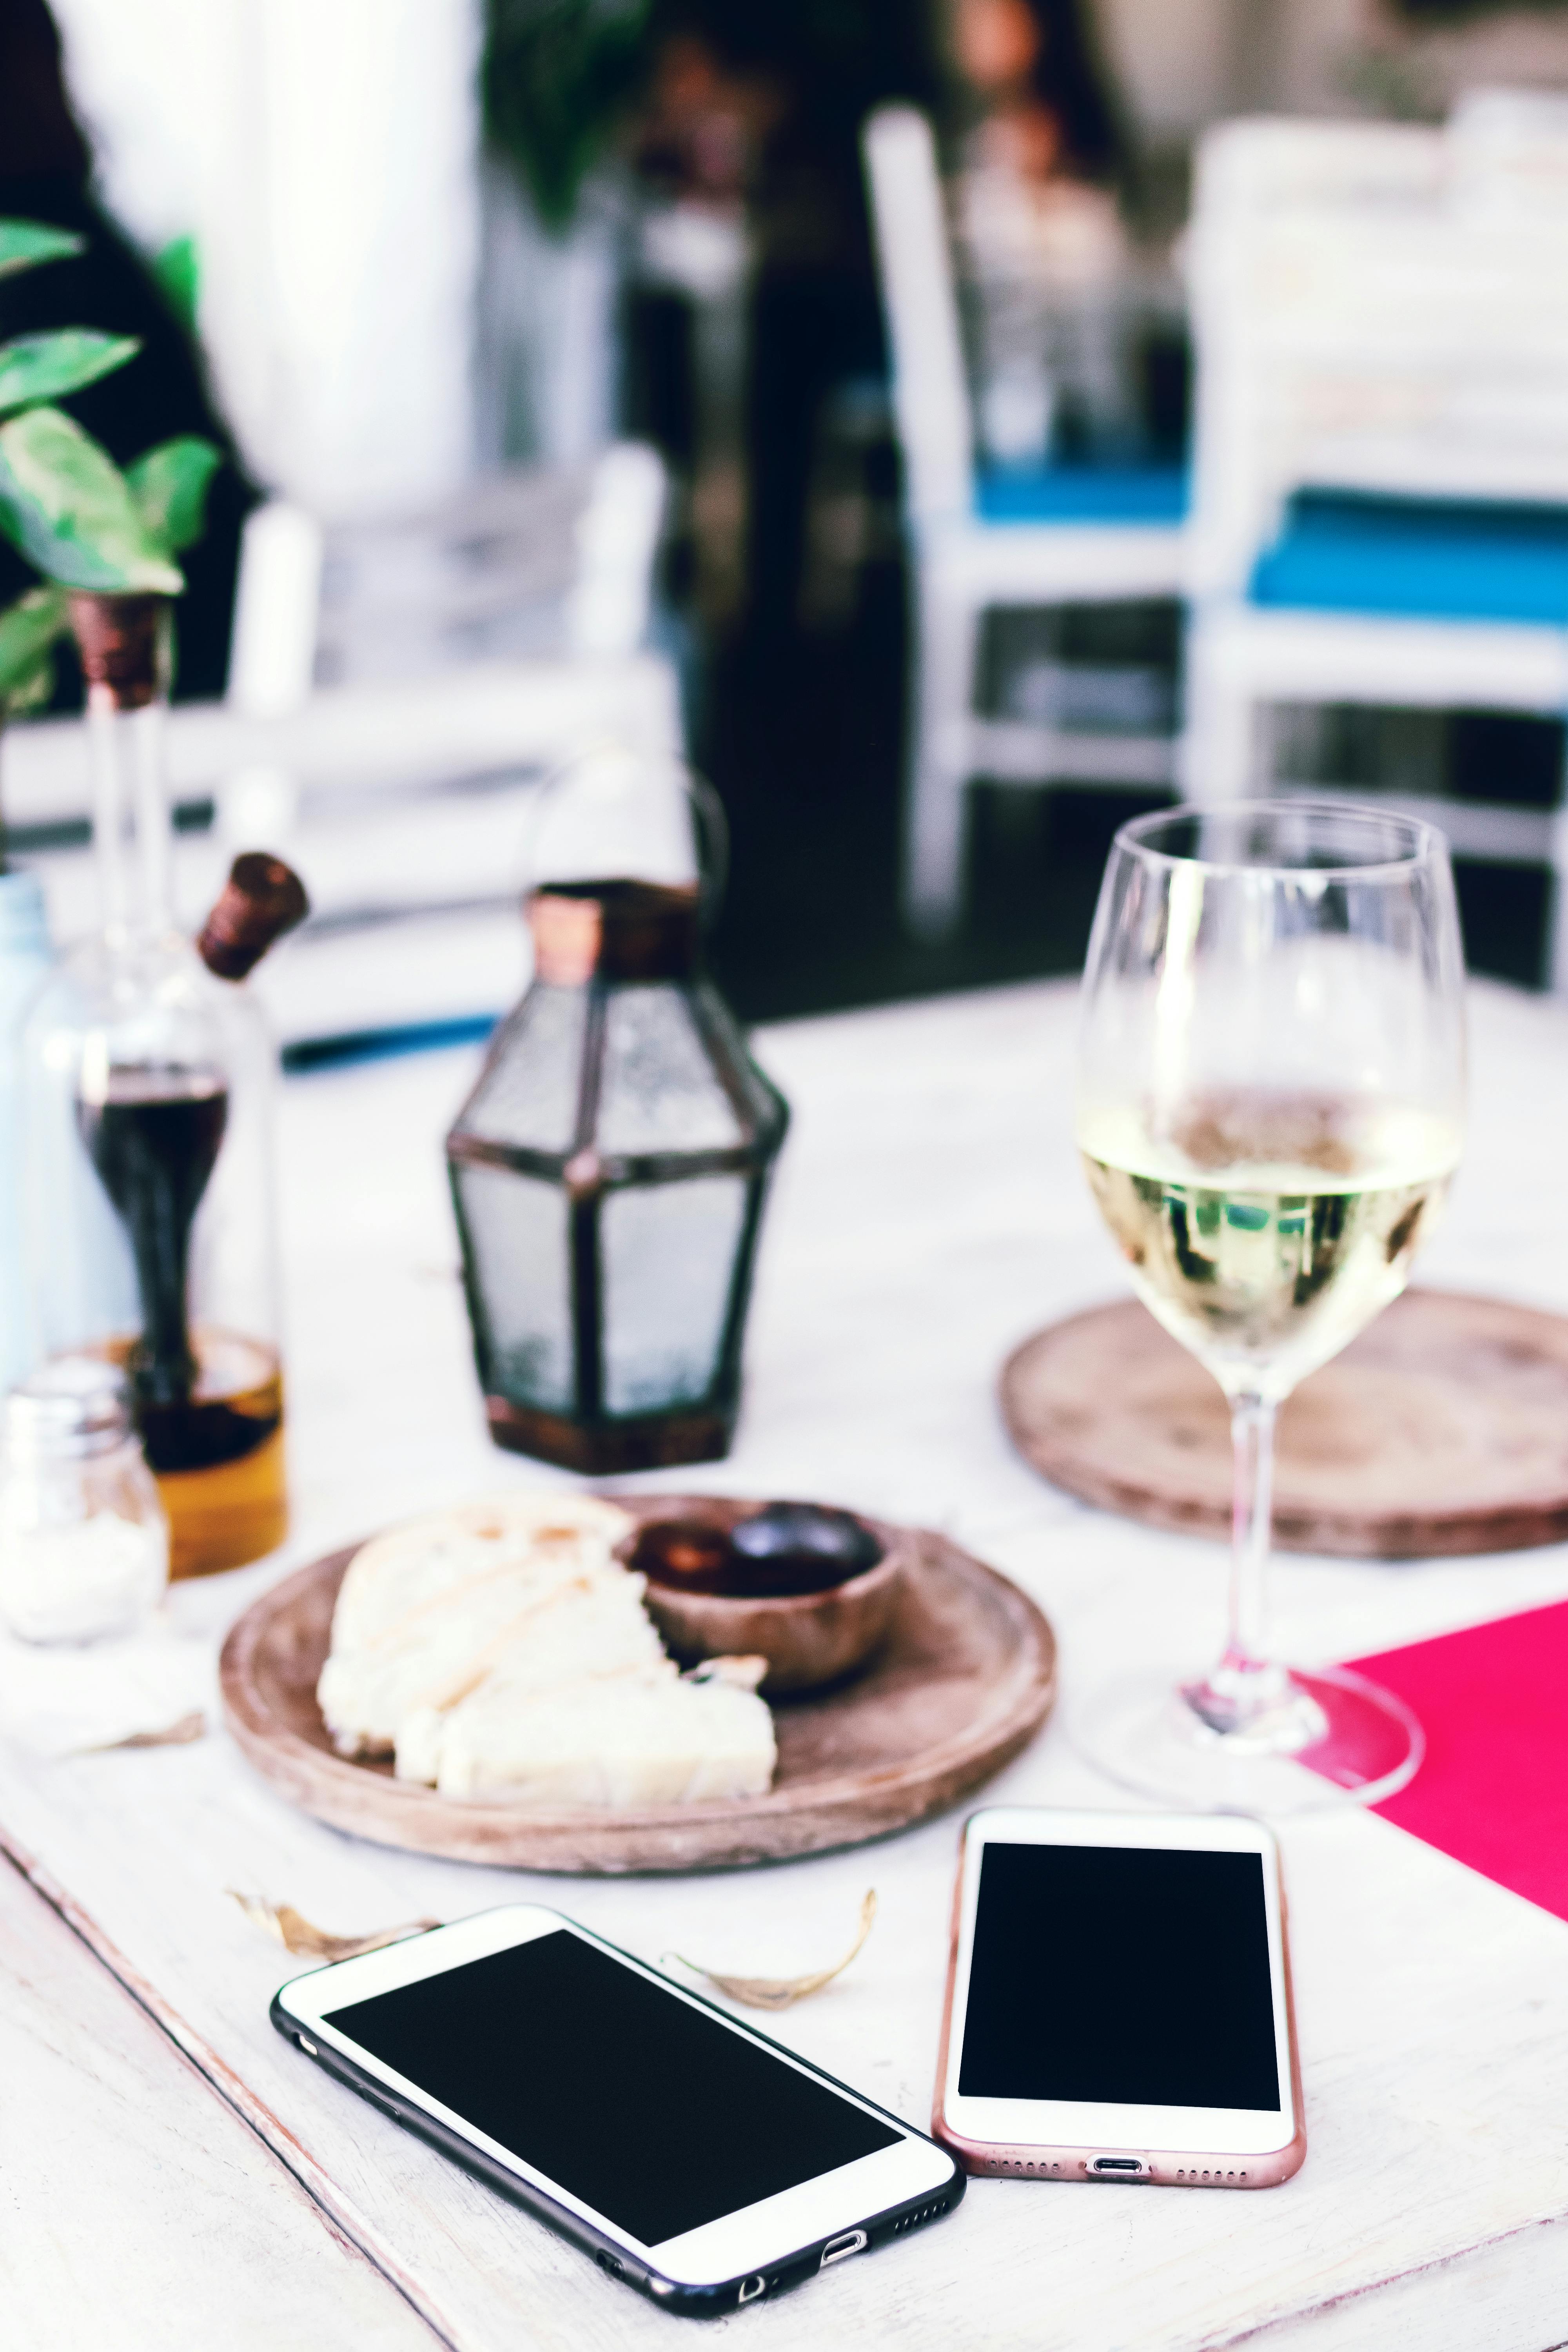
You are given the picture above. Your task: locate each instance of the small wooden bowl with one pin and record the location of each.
(809, 1639)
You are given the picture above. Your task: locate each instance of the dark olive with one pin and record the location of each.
(804, 1548)
(686, 1554)
(781, 1550)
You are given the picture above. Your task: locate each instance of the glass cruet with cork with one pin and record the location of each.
(146, 1083)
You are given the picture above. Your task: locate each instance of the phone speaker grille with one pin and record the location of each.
(926, 2213)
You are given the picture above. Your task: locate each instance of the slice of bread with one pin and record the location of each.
(421, 1603)
(501, 1649)
(624, 1742)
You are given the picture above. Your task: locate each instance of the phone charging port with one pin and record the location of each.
(1117, 2164)
(840, 2249)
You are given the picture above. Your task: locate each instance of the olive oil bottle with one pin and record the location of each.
(146, 1075)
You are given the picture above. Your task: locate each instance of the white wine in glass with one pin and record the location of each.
(1271, 1109)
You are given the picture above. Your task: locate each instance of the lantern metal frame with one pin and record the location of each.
(604, 939)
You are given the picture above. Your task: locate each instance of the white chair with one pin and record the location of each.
(1063, 535)
(1381, 480)
(513, 566)
(396, 692)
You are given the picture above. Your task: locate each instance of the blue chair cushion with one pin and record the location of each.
(1477, 560)
(1083, 493)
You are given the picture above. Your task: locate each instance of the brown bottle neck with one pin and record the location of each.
(613, 931)
(123, 642)
(124, 647)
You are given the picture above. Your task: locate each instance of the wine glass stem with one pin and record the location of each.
(1252, 1520)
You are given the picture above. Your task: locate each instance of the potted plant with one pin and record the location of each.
(64, 503)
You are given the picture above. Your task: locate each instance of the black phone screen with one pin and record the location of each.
(1124, 1974)
(653, 2113)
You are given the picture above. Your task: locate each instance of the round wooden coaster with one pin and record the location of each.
(1444, 1428)
(963, 1682)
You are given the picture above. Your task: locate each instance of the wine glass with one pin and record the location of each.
(1270, 1106)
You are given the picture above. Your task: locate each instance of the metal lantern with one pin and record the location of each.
(610, 1167)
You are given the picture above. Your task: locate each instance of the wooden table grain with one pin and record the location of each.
(929, 1214)
(136, 2209)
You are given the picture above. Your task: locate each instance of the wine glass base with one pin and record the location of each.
(1141, 1734)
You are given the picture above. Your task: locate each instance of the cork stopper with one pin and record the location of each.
(123, 642)
(261, 900)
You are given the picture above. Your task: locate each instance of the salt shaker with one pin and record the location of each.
(84, 1544)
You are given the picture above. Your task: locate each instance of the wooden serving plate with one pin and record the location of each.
(963, 1681)
(1443, 1429)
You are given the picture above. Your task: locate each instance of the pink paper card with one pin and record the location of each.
(1493, 1789)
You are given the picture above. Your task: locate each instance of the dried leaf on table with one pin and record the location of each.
(779, 1992)
(172, 1734)
(303, 1937)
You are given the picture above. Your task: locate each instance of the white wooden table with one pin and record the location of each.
(928, 1213)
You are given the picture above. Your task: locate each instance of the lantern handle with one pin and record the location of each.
(713, 846)
(709, 827)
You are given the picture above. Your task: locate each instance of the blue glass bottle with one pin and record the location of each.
(24, 960)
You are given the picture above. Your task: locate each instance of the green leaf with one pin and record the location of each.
(558, 76)
(27, 629)
(46, 367)
(170, 486)
(177, 269)
(69, 508)
(34, 692)
(23, 244)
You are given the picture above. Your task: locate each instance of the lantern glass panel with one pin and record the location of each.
(667, 1254)
(520, 1246)
(658, 1090)
(528, 1094)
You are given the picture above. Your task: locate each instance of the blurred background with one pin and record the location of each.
(441, 275)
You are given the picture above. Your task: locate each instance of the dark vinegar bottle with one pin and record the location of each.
(147, 1077)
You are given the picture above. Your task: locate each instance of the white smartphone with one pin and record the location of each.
(1119, 2001)
(689, 2155)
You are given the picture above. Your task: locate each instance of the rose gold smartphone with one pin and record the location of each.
(1119, 2003)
